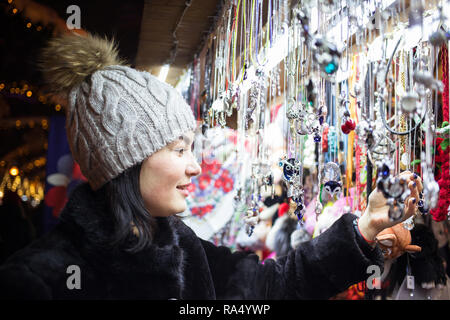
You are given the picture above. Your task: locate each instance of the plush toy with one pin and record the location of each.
(326, 219)
(395, 241)
(279, 237)
(299, 236)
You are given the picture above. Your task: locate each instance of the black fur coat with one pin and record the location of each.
(178, 264)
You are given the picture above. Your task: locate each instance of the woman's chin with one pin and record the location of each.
(180, 208)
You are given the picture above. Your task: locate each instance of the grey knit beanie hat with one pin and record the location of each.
(116, 116)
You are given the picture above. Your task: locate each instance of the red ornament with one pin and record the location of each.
(351, 124)
(345, 129)
(348, 125)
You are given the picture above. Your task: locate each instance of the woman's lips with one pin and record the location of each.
(184, 189)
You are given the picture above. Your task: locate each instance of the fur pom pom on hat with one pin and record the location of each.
(116, 116)
(68, 60)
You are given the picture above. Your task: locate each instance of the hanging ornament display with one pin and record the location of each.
(331, 99)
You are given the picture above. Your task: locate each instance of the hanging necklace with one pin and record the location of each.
(235, 32)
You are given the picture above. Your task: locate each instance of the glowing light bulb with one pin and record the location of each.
(14, 171)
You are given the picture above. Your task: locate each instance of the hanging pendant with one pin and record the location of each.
(409, 102)
(290, 167)
(430, 186)
(251, 218)
(322, 114)
(404, 161)
(268, 181)
(326, 55)
(333, 188)
(420, 206)
(318, 208)
(299, 210)
(331, 174)
(221, 119)
(304, 125)
(317, 137)
(395, 211)
(394, 189)
(218, 105)
(348, 124)
(301, 127)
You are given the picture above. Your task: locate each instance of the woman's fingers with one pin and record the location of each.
(411, 206)
(414, 177)
(412, 185)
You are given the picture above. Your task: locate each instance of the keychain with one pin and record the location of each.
(331, 174)
(394, 189)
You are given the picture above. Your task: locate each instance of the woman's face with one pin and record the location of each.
(166, 175)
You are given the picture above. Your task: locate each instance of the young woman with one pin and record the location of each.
(119, 237)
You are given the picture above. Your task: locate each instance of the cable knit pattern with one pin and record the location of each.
(120, 116)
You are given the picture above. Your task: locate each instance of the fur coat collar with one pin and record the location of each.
(155, 272)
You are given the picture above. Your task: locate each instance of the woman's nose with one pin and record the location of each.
(193, 168)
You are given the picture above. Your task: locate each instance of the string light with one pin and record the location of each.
(29, 91)
(14, 10)
(28, 190)
(14, 171)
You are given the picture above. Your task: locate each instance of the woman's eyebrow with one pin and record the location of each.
(186, 139)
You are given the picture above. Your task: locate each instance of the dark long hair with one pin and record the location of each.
(125, 202)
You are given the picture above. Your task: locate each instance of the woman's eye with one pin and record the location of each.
(180, 151)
